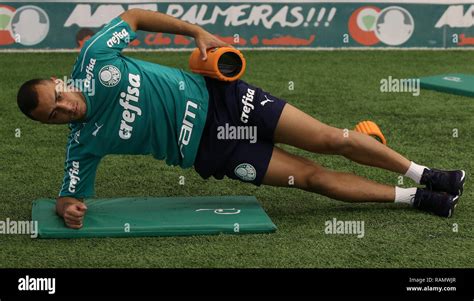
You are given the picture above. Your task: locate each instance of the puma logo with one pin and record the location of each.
(263, 102)
(94, 133)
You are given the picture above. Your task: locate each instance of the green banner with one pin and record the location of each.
(306, 24)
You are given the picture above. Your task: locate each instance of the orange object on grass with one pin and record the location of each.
(223, 63)
(372, 129)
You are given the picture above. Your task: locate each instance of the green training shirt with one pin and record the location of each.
(133, 107)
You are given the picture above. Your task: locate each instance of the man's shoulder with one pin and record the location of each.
(93, 49)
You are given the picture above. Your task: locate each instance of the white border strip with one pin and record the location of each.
(450, 2)
(250, 49)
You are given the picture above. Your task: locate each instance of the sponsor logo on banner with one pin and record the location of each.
(83, 16)
(27, 25)
(454, 16)
(259, 15)
(6, 15)
(370, 25)
(255, 24)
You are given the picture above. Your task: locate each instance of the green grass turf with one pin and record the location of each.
(339, 88)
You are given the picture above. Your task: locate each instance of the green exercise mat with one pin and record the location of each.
(457, 83)
(157, 216)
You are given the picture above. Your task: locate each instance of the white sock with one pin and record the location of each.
(415, 171)
(405, 195)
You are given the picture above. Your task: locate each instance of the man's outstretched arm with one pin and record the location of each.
(140, 19)
(72, 210)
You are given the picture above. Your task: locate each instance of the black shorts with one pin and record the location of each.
(237, 140)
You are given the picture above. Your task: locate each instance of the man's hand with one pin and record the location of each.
(205, 40)
(72, 210)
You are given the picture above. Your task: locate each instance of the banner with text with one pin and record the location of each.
(66, 25)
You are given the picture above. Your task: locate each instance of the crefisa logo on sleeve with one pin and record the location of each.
(74, 176)
(117, 37)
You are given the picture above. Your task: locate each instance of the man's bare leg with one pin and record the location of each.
(299, 129)
(288, 170)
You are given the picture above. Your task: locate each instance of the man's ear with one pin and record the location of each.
(59, 84)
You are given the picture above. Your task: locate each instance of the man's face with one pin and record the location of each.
(58, 105)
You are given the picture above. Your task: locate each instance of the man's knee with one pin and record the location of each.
(336, 141)
(312, 177)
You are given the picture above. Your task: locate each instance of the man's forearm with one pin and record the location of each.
(140, 19)
(146, 20)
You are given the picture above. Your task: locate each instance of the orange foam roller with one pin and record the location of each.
(223, 63)
(372, 129)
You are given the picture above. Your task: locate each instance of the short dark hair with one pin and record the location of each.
(83, 33)
(27, 97)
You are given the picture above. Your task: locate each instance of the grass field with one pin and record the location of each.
(338, 88)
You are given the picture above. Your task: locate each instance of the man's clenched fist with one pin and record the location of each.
(72, 210)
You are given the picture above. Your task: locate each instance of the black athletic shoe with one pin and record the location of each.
(451, 182)
(439, 203)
